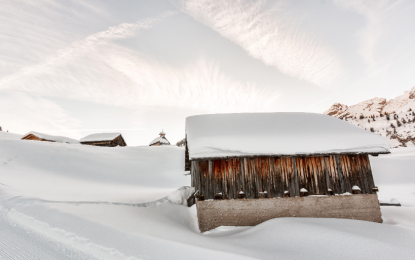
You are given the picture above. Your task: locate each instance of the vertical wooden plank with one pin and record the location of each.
(271, 176)
(290, 162)
(366, 163)
(296, 183)
(334, 175)
(247, 179)
(326, 172)
(340, 174)
(237, 175)
(210, 173)
(241, 161)
(346, 175)
(279, 186)
(365, 188)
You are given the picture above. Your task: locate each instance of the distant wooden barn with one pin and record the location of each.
(161, 140)
(104, 139)
(36, 136)
(279, 155)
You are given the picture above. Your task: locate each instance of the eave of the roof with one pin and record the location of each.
(286, 155)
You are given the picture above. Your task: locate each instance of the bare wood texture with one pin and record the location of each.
(271, 177)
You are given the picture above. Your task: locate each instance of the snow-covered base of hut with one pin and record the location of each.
(250, 212)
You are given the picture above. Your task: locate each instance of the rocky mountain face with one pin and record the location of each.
(393, 119)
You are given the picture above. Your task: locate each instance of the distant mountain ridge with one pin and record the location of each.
(380, 116)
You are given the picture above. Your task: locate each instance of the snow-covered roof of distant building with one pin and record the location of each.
(160, 139)
(100, 137)
(59, 139)
(277, 134)
(162, 132)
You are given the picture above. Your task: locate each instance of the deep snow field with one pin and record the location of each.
(69, 201)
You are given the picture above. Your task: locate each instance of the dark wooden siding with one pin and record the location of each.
(274, 176)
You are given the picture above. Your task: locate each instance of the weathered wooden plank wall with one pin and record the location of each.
(261, 177)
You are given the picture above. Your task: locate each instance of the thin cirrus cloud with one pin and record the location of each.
(274, 36)
(114, 75)
(375, 12)
(79, 48)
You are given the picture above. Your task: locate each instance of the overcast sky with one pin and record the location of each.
(78, 67)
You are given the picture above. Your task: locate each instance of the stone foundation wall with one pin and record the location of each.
(251, 212)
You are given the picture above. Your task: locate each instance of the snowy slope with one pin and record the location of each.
(61, 201)
(362, 115)
(7, 135)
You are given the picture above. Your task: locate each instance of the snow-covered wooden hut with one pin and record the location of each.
(161, 140)
(104, 139)
(236, 159)
(36, 136)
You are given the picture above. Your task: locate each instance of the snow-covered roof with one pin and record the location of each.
(59, 139)
(100, 137)
(160, 139)
(162, 132)
(277, 134)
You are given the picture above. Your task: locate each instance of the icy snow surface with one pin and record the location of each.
(100, 137)
(227, 135)
(62, 201)
(55, 138)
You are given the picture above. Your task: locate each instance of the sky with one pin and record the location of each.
(77, 67)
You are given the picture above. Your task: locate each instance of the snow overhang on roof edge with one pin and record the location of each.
(286, 155)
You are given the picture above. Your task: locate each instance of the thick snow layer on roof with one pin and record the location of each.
(100, 137)
(160, 139)
(248, 134)
(55, 138)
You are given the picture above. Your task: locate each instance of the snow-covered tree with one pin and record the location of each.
(181, 143)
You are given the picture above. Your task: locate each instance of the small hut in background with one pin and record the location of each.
(104, 139)
(35, 136)
(161, 140)
(240, 165)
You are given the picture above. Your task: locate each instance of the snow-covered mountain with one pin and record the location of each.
(393, 119)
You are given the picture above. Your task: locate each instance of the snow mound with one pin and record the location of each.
(275, 134)
(100, 137)
(7, 135)
(180, 196)
(54, 138)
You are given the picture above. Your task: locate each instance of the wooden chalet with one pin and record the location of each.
(104, 139)
(161, 140)
(278, 155)
(36, 136)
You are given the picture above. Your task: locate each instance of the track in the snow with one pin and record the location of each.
(17, 243)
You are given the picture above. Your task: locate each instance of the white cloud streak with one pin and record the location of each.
(76, 49)
(274, 36)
